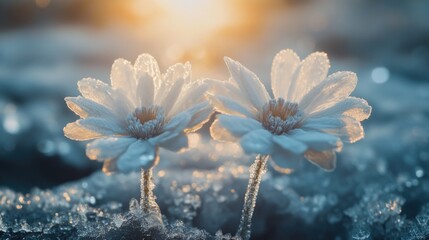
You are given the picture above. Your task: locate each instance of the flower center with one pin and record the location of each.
(279, 116)
(146, 122)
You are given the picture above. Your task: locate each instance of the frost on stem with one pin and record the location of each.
(257, 170)
(147, 198)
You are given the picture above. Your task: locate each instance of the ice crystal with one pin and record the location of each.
(360, 232)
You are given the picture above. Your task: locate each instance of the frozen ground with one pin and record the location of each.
(380, 189)
(372, 194)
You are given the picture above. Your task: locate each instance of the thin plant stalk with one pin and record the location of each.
(257, 171)
(147, 198)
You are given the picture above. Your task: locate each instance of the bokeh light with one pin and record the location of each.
(380, 75)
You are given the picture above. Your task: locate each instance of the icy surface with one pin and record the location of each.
(198, 203)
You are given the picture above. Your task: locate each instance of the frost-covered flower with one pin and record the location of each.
(141, 111)
(305, 114)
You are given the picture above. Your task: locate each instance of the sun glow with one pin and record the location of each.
(201, 14)
(200, 31)
(193, 21)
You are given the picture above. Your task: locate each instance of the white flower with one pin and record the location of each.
(141, 111)
(305, 113)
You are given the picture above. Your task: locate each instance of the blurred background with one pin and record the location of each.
(46, 46)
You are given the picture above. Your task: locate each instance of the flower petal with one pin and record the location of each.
(311, 71)
(175, 144)
(248, 82)
(356, 108)
(290, 144)
(103, 94)
(140, 154)
(163, 86)
(173, 141)
(87, 108)
(335, 88)
(200, 115)
(346, 128)
(225, 105)
(192, 93)
(122, 77)
(108, 148)
(284, 65)
(238, 126)
(96, 91)
(351, 132)
(230, 90)
(146, 73)
(146, 64)
(163, 137)
(258, 141)
(325, 159)
(285, 161)
(323, 123)
(102, 125)
(219, 133)
(178, 123)
(146, 70)
(145, 90)
(77, 132)
(90, 128)
(171, 97)
(316, 140)
(109, 166)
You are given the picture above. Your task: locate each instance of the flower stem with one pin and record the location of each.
(257, 170)
(147, 198)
